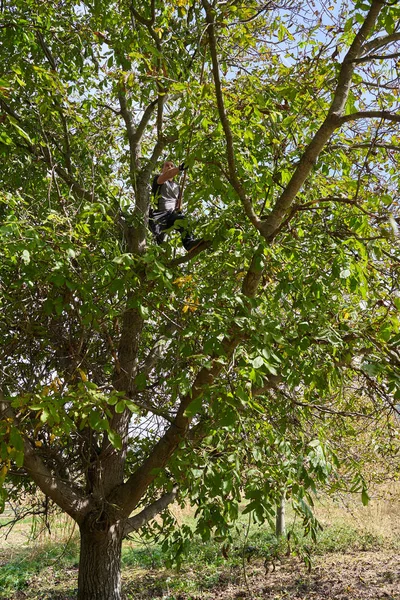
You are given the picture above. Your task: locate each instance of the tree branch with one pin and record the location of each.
(380, 42)
(271, 383)
(144, 121)
(253, 276)
(46, 50)
(352, 201)
(392, 85)
(53, 65)
(230, 152)
(69, 500)
(343, 147)
(128, 494)
(158, 350)
(147, 22)
(370, 114)
(190, 255)
(272, 223)
(134, 134)
(376, 57)
(151, 511)
(44, 154)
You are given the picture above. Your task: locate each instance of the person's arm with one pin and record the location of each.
(170, 173)
(167, 175)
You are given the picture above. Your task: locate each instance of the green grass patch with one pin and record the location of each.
(50, 559)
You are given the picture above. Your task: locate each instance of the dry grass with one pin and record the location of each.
(381, 517)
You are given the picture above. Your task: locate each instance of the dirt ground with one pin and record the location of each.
(358, 576)
(365, 576)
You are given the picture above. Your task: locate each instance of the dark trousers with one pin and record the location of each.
(161, 221)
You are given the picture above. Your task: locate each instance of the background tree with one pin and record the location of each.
(134, 375)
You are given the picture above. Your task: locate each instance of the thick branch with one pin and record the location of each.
(113, 461)
(272, 223)
(151, 163)
(376, 57)
(233, 177)
(253, 276)
(370, 114)
(190, 255)
(127, 495)
(135, 134)
(144, 121)
(146, 515)
(65, 497)
(381, 42)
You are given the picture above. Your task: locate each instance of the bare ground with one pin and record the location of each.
(355, 576)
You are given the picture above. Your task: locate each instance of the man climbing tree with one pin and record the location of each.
(129, 380)
(168, 196)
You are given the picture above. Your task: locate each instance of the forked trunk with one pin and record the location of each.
(100, 564)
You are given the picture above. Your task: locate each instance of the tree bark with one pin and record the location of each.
(100, 563)
(280, 525)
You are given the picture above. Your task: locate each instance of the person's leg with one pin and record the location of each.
(179, 220)
(159, 223)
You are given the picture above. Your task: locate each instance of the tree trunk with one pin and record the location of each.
(280, 519)
(100, 563)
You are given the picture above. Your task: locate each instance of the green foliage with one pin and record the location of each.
(109, 341)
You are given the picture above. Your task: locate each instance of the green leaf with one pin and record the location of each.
(115, 439)
(21, 131)
(194, 407)
(228, 418)
(258, 362)
(95, 419)
(364, 497)
(5, 138)
(314, 443)
(141, 381)
(120, 406)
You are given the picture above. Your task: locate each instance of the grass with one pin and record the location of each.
(48, 566)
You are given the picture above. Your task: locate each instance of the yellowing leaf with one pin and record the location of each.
(192, 304)
(83, 375)
(180, 281)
